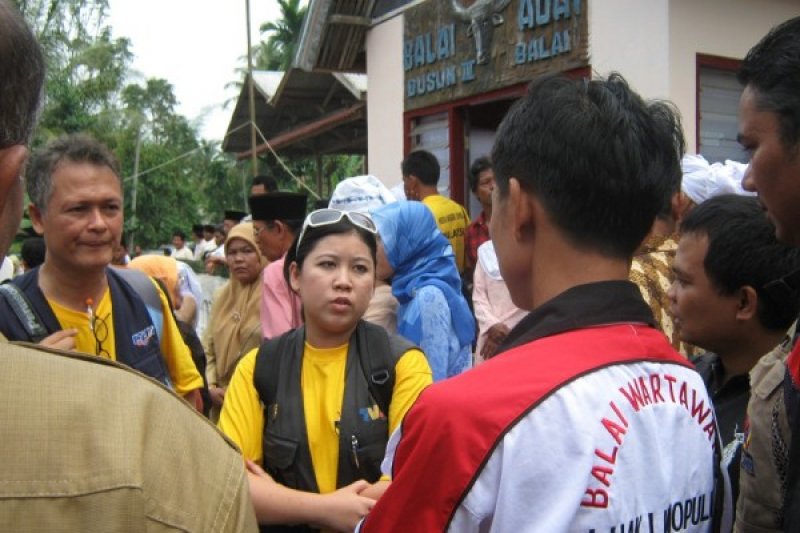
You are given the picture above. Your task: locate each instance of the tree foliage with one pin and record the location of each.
(90, 88)
(182, 179)
(276, 52)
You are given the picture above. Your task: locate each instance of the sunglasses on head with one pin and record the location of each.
(326, 217)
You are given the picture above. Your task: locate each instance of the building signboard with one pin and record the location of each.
(458, 48)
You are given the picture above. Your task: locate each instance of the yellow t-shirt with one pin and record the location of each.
(177, 356)
(452, 219)
(322, 381)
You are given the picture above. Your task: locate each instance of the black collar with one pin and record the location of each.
(593, 304)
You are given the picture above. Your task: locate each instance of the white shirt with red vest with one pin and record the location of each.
(590, 421)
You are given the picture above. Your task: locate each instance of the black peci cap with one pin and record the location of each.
(278, 206)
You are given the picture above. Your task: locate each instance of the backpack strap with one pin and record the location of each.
(19, 303)
(378, 353)
(142, 285)
(266, 372)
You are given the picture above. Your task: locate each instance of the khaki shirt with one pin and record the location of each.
(89, 445)
(765, 453)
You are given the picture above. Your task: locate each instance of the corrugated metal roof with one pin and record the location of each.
(267, 82)
(312, 101)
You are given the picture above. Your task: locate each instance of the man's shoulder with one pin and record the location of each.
(274, 270)
(136, 429)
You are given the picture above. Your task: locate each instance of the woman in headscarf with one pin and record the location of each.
(235, 325)
(420, 262)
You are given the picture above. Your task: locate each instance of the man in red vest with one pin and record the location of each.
(587, 420)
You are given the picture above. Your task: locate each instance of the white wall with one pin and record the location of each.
(632, 38)
(727, 28)
(385, 100)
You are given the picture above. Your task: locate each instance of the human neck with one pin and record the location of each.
(742, 354)
(326, 339)
(426, 190)
(70, 288)
(558, 267)
(487, 211)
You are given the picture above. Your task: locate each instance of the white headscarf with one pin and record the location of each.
(360, 193)
(702, 180)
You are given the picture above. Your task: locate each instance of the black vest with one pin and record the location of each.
(137, 343)
(364, 427)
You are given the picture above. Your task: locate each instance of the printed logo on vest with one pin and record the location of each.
(371, 413)
(142, 338)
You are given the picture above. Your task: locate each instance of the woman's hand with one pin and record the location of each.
(343, 509)
(276, 504)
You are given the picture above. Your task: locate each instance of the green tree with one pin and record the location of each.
(182, 179)
(277, 51)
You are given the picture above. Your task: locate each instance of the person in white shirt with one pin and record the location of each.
(181, 251)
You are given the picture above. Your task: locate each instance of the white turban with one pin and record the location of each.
(702, 180)
(360, 193)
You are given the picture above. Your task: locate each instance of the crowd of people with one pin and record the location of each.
(608, 346)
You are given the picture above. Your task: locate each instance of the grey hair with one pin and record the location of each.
(75, 148)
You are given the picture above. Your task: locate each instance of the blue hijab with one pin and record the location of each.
(421, 255)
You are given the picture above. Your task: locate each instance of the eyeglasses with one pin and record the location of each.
(326, 217)
(100, 332)
(257, 230)
(99, 328)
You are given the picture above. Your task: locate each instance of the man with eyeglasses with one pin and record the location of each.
(86, 442)
(79, 301)
(277, 218)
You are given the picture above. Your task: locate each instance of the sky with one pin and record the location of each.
(196, 45)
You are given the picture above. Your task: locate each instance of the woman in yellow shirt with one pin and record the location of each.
(309, 405)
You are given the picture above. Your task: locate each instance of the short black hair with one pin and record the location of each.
(475, 169)
(32, 252)
(423, 165)
(743, 251)
(772, 68)
(600, 159)
(297, 254)
(269, 183)
(179, 233)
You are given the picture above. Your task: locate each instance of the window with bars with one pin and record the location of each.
(717, 112)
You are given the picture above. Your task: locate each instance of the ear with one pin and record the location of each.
(524, 211)
(35, 215)
(12, 159)
(681, 205)
(294, 277)
(747, 306)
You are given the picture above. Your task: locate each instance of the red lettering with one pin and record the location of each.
(601, 474)
(645, 392)
(698, 408)
(682, 395)
(710, 429)
(595, 498)
(655, 384)
(614, 429)
(671, 380)
(611, 459)
(635, 396)
(619, 414)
